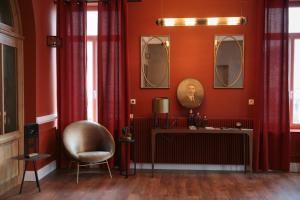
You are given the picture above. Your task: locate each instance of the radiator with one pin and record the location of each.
(191, 149)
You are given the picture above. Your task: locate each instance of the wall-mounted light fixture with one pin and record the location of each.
(210, 21)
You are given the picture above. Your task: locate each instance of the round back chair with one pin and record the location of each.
(88, 143)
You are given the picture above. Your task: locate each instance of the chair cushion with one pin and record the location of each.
(94, 156)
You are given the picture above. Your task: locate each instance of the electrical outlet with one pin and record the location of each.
(250, 102)
(133, 101)
(131, 116)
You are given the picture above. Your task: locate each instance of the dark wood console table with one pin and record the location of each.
(244, 132)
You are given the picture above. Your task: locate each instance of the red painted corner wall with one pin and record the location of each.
(192, 54)
(39, 20)
(295, 147)
(45, 20)
(29, 45)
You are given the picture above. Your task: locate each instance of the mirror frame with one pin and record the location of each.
(144, 43)
(241, 74)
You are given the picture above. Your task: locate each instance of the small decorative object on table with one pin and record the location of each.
(238, 125)
(191, 120)
(126, 133)
(204, 121)
(31, 155)
(198, 120)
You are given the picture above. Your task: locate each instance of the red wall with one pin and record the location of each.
(39, 20)
(192, 54)
(45, 20)
(295, 147)
(29, 45)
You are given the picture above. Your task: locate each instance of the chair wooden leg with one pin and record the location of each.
(108, 169)
(77, 172)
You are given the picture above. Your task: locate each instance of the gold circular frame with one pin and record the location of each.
(190, 93)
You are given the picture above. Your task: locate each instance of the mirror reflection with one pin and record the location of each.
(155, 69)
(229, 61)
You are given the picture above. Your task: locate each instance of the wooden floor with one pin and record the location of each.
(172, 185)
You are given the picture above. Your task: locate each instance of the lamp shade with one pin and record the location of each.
(160, 105)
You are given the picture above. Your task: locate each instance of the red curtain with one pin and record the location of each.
(71, 72)
(112, 66)
(271, 136)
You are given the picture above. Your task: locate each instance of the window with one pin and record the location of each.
(5, 13)
(91, 81)
(294, 39)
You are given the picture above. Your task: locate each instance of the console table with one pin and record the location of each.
(245, 132)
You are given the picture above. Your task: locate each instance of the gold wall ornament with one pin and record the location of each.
(190, 93)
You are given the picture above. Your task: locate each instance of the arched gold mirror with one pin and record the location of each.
(229, 61)
(155, 67)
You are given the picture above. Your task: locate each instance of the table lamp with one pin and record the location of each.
(160, 105)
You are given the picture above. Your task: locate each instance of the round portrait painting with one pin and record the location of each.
(190, 93)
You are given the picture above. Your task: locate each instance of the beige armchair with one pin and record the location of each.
(88, 143)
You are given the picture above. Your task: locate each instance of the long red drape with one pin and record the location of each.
(271, 136)
(71, 72)
(112, 66)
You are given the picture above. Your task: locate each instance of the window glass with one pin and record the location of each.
(5, 13)
(294, 17)
(92, 23)
(296, 84)
(91, 81)
(10, 88)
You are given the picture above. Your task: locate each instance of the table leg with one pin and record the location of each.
(250, 136)
(153, 151)
(126, 161)
(23, 177)
(244, 145)
(134, 157)
(36, 176)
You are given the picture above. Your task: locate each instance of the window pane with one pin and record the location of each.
(92, 23)
(294, 16)
(1, 97)
(10, 88)
(89, 81)
(5, 13)
(296, 98)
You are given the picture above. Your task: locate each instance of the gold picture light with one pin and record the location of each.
(210, 21)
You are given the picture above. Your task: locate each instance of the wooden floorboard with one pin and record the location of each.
(170, 185)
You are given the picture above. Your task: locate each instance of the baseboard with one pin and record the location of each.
(44, 171)
(46, 119)
(294, 167)
(204, 167)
